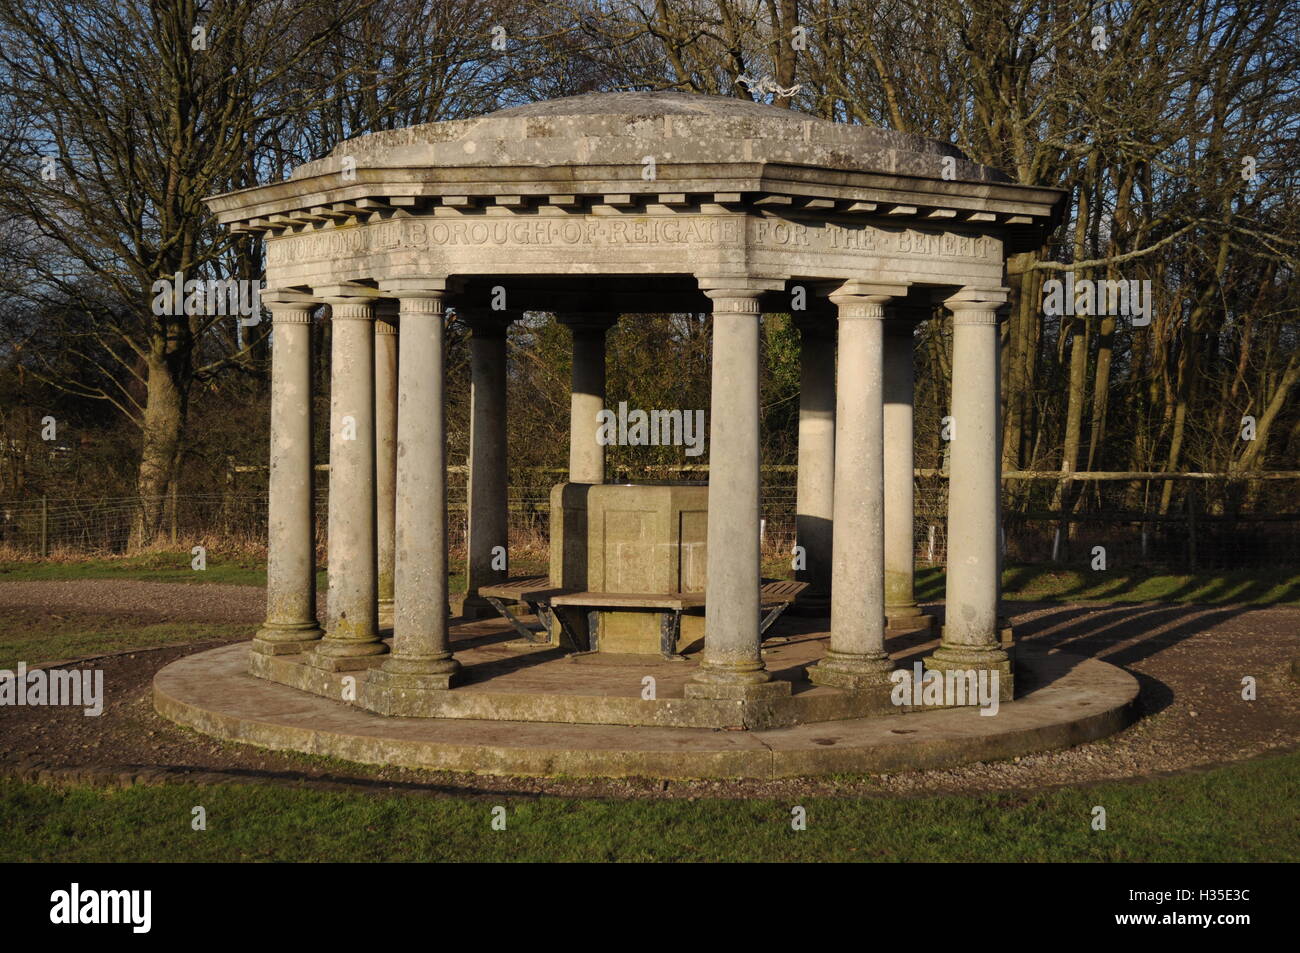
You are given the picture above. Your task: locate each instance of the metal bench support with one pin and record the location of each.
(670, 627)
(773, 614)
(519, 627)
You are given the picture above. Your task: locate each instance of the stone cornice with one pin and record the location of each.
(791, 190)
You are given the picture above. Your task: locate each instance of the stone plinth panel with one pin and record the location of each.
(646, 538)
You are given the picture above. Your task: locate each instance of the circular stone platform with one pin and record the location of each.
(1067, 700)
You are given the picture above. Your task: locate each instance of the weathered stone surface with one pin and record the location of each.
(1077, 700)
(610, 128)
(291, 622)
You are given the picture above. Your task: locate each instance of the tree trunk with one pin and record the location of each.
(164, 418)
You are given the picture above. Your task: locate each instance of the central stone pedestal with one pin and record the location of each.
(631, 539)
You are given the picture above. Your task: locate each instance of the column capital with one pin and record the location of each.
(282, 314)
(349, 302)
(288, 307)
(351, 309)
(976, 305)
(420, 304)
(737, 294)
(736, 301)
(865, 299)
(426, 287)
(860, 306)
(288, 300)
(857, 288)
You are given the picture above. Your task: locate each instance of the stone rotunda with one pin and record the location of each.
(591, 208)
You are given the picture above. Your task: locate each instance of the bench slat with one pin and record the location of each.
(631, 600)
(783, 590)
(539, 589)
(526, 589)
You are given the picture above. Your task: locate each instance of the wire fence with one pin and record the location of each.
(1203, 526)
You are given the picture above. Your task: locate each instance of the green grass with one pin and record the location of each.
(1258, 587)
(1243, 812)
(1280, 586)
(149, 567)
(81, 636)
(175, 567)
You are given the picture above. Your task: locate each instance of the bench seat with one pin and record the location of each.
(542, 597)
(631, 600)
(525, 589)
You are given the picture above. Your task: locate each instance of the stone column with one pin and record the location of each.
(856, 659)
(732, 666)
(815, 493)
(290, 624)
(422, 658)
(970, 633)
(386, 339)
(568, 523)
(352, 627)
(900, 546)
(487, 492)
(587, 396)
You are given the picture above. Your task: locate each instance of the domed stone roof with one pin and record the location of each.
(674, 128)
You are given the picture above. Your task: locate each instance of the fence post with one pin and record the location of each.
(45, 527)
(175, 507)
(1190, 500)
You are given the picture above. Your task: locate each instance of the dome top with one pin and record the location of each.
(673, 127)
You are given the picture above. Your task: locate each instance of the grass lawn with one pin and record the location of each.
(149, 567)
(1243, 812)
(81, 635)
(175, 567)
(1279, 586)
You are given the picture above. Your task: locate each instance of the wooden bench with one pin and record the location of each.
(535, 592)
(542, 598)
(774, 598)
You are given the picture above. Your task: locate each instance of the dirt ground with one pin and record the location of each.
(1189, 660)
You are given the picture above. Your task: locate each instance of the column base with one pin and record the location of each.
(909, 619)
(400, 695)
(476, 607)
(279, 638)
(743, 684)
(339, 656)
(966, 658)
(854, 673)
(391, 675)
